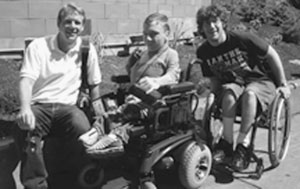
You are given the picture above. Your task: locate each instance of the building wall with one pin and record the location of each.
(114, 19)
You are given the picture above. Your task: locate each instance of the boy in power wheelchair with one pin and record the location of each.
(155, 119)
(155, 67)
(236, 63)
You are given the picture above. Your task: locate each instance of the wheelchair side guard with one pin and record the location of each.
(156, 152)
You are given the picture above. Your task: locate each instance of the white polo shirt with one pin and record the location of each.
(57, 75)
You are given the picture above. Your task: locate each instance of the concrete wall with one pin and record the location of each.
(115, 19)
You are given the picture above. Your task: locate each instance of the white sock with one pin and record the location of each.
(244, 138)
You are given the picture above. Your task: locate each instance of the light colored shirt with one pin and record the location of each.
(164, 66)
(57, 75)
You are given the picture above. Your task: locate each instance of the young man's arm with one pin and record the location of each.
(172, 74)
(96, 101)
(25, 117)
(95, 78)
(276, 66)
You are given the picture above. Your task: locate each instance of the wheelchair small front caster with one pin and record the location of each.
(148, 185)
(259, 170)
(91, 176)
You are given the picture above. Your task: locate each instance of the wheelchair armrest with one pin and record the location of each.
(120, 79)
(177, 88)
(150, 98)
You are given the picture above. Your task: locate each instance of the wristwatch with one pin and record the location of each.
(283, 84)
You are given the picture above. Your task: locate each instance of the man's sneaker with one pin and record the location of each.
(106, 147)
(90, 137)
(223, 152)
(241, 158)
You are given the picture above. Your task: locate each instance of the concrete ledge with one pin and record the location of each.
(119, 49)
(12, 53)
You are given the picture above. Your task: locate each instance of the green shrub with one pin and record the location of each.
(291, 31)
(9, 71)
(280, 14)
(253, 10)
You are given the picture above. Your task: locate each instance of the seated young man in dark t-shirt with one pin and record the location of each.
(236, 61)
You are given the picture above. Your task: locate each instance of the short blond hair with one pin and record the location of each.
(158, 17)
(68, 9)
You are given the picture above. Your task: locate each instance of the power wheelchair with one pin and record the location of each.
(168, 137)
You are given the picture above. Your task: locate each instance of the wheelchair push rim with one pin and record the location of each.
(279, 130)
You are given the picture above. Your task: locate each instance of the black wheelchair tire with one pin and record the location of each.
(91, 176)
(195, 165)
(278, 146)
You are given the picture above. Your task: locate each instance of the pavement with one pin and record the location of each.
(286, 175)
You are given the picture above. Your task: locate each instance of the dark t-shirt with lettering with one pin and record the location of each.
(239, 59)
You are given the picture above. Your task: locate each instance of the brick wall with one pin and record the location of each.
(115, 19)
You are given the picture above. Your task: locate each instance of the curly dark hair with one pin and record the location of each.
(212, 11)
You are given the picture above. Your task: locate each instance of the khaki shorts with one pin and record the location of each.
(265, 91)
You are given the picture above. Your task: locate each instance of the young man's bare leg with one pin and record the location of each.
(225, 146)
(242, 151)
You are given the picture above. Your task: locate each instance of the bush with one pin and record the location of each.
(295, 3)
(291, 32)
(9, 71)
(280, 14)
(253, 10)
(259, 11)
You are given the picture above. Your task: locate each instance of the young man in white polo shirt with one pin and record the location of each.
(50, 79)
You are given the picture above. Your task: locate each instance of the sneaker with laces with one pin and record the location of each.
(241, 158)
(106, 146)
(104, 142)
(223, 152)
(90, 137)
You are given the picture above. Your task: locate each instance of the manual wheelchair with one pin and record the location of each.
(276, 119)
(168, 137)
